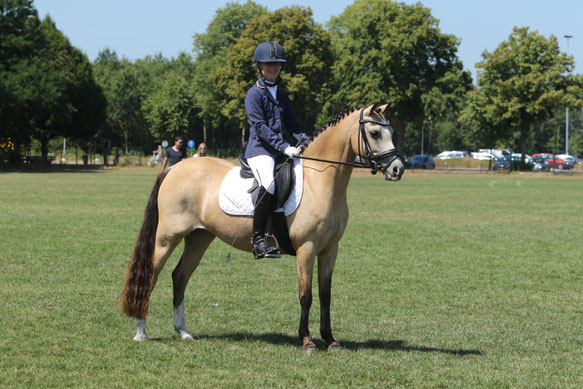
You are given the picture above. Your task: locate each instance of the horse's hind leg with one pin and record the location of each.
(164, 246)
(195, 244)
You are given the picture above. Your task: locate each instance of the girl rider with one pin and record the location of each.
(270, 113)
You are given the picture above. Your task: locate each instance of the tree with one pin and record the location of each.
(22, 74)
(549, 135)
(170, 110)
(520, 84)
(305, 75)
(73, 105)
(125, 106)
(394, 52)
(120, 81)
(46, 85)
(211, 54)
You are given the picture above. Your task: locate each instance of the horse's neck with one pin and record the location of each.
(334, 144)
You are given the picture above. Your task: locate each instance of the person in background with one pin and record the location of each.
(270, 114)
(159, 154)
(174, 154)
(201, 151)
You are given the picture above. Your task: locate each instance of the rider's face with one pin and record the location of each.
(270, 70)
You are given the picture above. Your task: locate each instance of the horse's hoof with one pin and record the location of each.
(308, 346)
(334, 346)
(184, 335)
(140, 338)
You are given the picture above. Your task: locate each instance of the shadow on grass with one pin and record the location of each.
(54, 169)
(373, 344)
(401, 345)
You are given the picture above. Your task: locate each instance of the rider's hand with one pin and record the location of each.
(291, 151)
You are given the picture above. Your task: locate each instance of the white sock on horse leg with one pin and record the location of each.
(140, 330)
(180, 322)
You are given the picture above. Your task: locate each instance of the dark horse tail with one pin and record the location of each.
(135, 296)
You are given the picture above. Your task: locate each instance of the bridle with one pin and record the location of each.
(375, 162)
(382, 160)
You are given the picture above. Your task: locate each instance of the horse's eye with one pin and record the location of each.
(375, 134)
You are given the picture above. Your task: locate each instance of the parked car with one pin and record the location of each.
(504, 163)
(569, 158)
(498, 153)
(452, 154)
(484, 156)
(517, 157)
(421, 161)
(554, 161)
(540, 164)
(507, 162)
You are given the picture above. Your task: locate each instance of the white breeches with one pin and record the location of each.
(262, 167)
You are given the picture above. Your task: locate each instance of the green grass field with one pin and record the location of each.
(442, 281)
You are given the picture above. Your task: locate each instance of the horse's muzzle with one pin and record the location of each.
(391, 164)
(395, 171)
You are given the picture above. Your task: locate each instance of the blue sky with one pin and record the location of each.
(136, 28)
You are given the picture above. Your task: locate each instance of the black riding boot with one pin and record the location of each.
(261, 248)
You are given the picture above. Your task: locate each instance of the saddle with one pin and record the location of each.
(284, 178)
(284, 183)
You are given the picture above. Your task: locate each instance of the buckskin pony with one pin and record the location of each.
(184, 204)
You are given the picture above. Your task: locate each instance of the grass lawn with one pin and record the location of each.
(443, 280)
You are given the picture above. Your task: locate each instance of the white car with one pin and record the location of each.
(451, 155)
(569, 158)
(484, 156)
(518, 156)
(498, 153)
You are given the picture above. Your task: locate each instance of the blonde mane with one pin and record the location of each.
(336, 119)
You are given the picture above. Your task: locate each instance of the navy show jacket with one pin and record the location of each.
(267, 118)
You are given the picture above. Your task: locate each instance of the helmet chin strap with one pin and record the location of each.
(269, 83)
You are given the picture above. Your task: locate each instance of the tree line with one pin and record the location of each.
(376, 50)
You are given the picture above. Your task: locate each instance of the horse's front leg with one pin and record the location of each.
(305, 255)
(326, 262)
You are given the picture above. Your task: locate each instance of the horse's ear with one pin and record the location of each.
(384, 108)
(373, 109)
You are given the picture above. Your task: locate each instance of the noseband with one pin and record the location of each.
(382, 160)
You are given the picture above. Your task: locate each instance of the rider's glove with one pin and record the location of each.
(291, 151)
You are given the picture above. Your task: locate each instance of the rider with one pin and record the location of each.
(271, 115)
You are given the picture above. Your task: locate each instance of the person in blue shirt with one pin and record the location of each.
(174, 154)
(273, 125)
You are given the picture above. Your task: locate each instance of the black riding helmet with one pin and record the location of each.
(269, 52)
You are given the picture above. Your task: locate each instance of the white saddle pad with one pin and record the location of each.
(235, 200)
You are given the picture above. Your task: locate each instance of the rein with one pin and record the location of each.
(354, 164)
(372, 159)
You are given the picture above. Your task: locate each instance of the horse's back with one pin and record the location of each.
(189, 200)
(192, 185)
(192, 172)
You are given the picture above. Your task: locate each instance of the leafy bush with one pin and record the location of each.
(522, 166)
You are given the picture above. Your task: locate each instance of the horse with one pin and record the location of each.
(184, 204)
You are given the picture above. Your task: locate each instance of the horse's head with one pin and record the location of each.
(374, 143)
